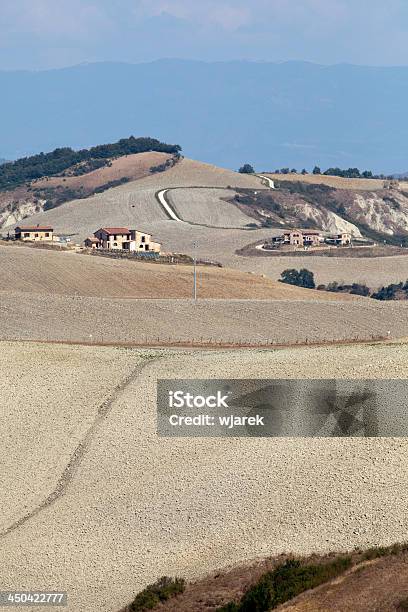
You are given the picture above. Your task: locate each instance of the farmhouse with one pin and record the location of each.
(298, 238)
(341, 239)
(35, 233)
(122, 239)
(295, 238)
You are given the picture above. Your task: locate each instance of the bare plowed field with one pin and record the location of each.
(257, 322)
(43, 272)
(208, 207)
(127, 506)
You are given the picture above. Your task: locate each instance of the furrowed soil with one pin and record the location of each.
(41, 272)
(104, 519)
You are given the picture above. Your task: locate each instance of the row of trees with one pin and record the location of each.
(349, 173)
(305, 278)
(49, 164)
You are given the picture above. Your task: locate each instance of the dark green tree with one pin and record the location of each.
(317, 170)
(246, 169)
(300, 278)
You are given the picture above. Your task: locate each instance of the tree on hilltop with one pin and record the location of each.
(246, 169)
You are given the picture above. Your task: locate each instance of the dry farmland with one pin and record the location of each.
(331, 181)
(208, 207)
(134, 204)
(44, 272)
(47, 295)
(104, 506)
(372, 271)
(162, 322)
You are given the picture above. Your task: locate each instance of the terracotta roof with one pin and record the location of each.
(114, 230)
(34, 228)
(92, 239)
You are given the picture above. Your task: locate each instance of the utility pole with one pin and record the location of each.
(195, 272)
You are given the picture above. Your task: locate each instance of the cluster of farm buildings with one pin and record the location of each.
(105, 238)
(295, 238)
(126, 239)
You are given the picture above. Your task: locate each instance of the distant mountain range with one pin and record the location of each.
(270, 115)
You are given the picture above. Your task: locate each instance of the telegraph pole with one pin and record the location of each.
(195, 272)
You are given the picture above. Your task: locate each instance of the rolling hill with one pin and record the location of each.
(44, 272)
(217, 208)
(34, 184)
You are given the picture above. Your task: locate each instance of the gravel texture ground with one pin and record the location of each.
(130, 506)
(62, 391)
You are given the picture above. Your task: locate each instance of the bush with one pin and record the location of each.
(285, 582)
(162, 590)
(359, 289)
(386, 293)
(230, 607)
(402, 605)
(301, 278)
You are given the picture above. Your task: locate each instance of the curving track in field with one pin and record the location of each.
(202, 206)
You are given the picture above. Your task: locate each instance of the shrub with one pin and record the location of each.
(301, 278)
(230, 607)
(386, 293)
(402, 605)
(110, 184)
(285, 582)
(153, 594)
(359, 289)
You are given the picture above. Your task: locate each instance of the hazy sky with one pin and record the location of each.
(38, 34)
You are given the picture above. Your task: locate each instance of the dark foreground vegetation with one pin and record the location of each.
(305, 278)
(278, 582)
(38, 166)
(285, 582)
(154, 594)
